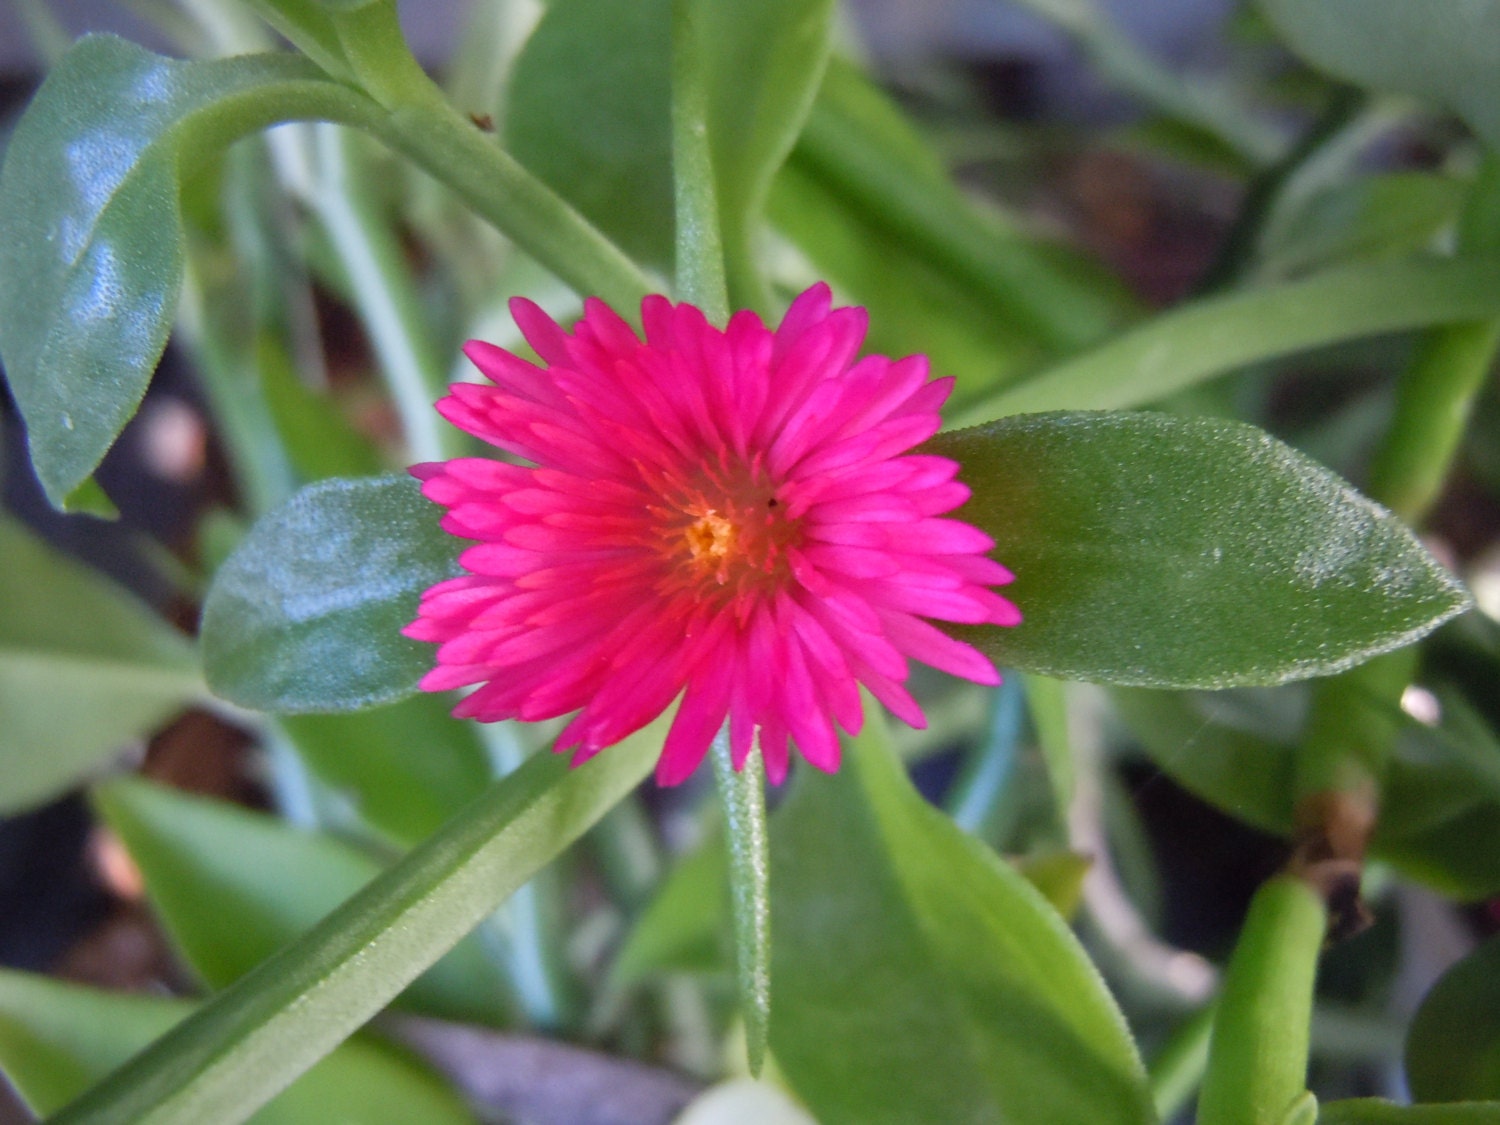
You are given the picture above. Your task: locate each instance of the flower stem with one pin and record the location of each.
(700, 244)
(701, 281)
(1257, 1063)
(744, 796)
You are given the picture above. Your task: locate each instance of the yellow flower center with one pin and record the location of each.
(710, 540)
(725, 533)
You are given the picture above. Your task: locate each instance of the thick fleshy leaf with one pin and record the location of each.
(57, 1039)
(1440, 794)
(924, 979)
(1162, 551)
(247, 1043)
(406, 768)
(91, 252)
(1375, 1111)
(232, 887)
(1453, 1046)
(306, 614)
(1443, 50)
(590, 106)
(84, 669)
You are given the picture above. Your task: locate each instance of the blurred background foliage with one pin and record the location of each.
(1004, 186)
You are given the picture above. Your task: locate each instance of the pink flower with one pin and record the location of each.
(729, 516)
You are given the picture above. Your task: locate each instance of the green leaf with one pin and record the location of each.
(320, 441)
(232, 887)
(306, 614)
(590, 108)
(1440, 794)
(1443, 50)
(1216, 335)
(858, 148)
(924, 979)
(1367, 217)
(913, 306)
(1374, 1111)
(684, 926)
(1453, 1045)
(256, 1036)
(56, 1039)
(84, 669)
(406, 767)
(589, 113)
(764, 64)
(1161, 551)
(91, 255)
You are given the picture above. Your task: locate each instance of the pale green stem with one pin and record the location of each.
(384, 294)
(1340, 762)
(1257, 1064)
(743, 793)
(306, 25)
(700, 280)
(700, 247)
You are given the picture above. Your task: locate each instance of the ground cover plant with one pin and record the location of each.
(706, 581)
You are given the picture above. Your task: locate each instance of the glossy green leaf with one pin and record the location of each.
(1440, 800)
(1453, 1045)
(84, 669)
(1375, 1111)
(590, 97)
(1164, 551)
(232, 887)
(306, 614)
(91, 254)
(406, 767)
(1443, 50)
(56, 1039)
(1216, 335)
(922, 978)
(248, 1042)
